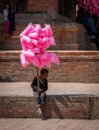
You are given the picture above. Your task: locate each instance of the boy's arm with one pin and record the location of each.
(45, 86)
(34, 84)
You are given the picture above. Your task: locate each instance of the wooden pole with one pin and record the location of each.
(37, 71)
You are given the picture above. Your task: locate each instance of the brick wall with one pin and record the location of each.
(76, 66)
(57, 107)
(50, 6)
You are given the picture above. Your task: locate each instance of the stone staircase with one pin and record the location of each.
(68, 36)
(77, 66)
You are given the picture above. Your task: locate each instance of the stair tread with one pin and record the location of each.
(73, 89)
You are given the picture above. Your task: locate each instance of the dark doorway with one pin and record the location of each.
(21, 6)
(18, 5)
(67, 8)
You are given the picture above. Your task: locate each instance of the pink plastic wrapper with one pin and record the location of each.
(34, 41)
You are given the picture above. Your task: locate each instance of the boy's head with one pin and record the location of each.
(7, 5)
(44, 73)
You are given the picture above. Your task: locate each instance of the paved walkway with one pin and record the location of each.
(52, 124)
(24, 89)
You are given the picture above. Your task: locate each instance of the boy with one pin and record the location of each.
(39, 91)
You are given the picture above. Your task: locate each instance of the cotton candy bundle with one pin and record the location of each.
(34, 41)
(91, 5)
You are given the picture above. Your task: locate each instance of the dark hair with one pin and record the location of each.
(44, 71)
(7, 4)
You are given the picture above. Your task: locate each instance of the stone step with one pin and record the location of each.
(18, 26)
(37, 17)
(68, 36)
(50, 124)
(92, 46)
(64, 100)
(13, 43)
(10, 43)
(75, 66)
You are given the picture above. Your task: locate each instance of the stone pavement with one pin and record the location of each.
(24, 89)
(51, 124)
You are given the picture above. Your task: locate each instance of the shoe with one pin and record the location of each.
(92, 37)
(39, 111)
(43, 118)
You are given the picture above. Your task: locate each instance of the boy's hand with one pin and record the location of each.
(39, 90)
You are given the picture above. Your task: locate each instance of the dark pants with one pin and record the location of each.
(96, 41)
(40, 98)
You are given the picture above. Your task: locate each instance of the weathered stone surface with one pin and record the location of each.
(95, 108)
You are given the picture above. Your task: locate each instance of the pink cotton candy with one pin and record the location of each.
(42, 34)
(44, 55)
(54, 58)
(28, 53)
(41, 49)
(33, 35)
(37, 28)
(48, 29)
(47, 63)
(27, 30)
(42, 60)
(24, 44)
(41, 63)
(44, 44)
(26, 38)
(40, 41)
(45, 40)
(51, 41)
(34, 41)
(36, 50)
(24, 60)
(35, 62)
(47, 60)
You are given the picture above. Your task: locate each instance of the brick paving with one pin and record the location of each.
(51, 124)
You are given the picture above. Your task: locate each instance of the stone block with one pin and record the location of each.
(95, 107)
